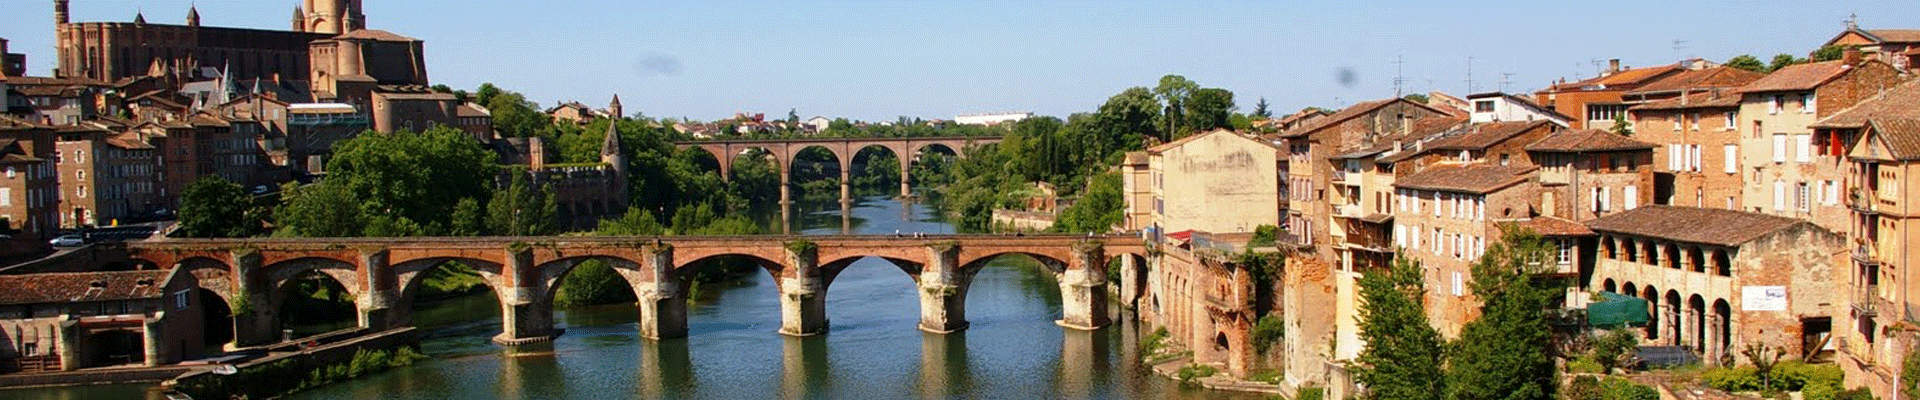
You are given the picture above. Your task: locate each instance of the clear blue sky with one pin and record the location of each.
(876, 60)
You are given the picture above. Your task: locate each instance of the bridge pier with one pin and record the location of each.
(663, 307)
(254, 322)
(376, 302)
(1129, 281)
(1083, 289)
(943, 302)
(803, 295)
(906, 190)
(524, 313)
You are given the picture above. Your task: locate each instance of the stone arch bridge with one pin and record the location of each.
(784, 151)
(381, 273)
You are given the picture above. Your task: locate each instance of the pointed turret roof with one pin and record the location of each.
(610, 146)
(139, 17)
(193, 15)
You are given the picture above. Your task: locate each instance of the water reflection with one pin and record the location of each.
(944, 372)
(666, 368)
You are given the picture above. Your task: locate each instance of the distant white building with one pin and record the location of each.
(817, 124)
(992, 118)
(1502, 107)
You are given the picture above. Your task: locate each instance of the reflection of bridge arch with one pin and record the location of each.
(383, 273)
(784, 151)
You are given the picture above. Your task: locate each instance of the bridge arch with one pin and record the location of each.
(831, 268)
(285, 284)
(214, 275)
(344, 272)
(553, 273)
(1055, 263)
(407, 274)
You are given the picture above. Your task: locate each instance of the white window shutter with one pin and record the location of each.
(1779, 148)
(1632, 194)
(1779, 195)
(1802, 148)
(1693, 155)
(1732, 160)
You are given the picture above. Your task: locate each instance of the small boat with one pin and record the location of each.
(224, 369)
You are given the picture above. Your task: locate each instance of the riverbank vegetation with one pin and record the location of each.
(287, 376)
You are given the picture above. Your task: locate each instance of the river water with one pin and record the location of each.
(1013, 349)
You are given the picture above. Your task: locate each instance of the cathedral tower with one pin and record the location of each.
(334, 16)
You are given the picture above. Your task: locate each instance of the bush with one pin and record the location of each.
(1267, 332)
(1267, 375)
(1310, 393)
(1617, 388)
(1196, 371)
(1585, 388)
(1796, 375)
(1742, 379)
(1586, 364)
(1153, 342)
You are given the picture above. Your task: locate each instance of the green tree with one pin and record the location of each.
(1402, 359)
(1174, 92)
(1209, 109)
(522, 210)
(1747, 62)
(1830, 52)
(591, 283)
(1260, 109)
(212, 207)
(319, 210)
(1783, 61)
(1416, 97)
(1100, 207)
(1612, 348)
(407, 181)
(1508, 352)
(1621, 126)
(636, 222)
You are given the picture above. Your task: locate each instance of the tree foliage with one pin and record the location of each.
(1099, 210)
(1508, 352)
(522, 209)
(1403, 357)
(411, 182)
(214, 207)
(1831, 52)
(319, 210)
(1747, 62)
(1783, 61)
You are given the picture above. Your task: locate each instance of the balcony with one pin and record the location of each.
(1866, 300)
(1339, 175)
(1865, 255)
(1348, 211)
(1862, 202)
(312, 120)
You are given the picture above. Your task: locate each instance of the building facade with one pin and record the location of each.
(68, 321)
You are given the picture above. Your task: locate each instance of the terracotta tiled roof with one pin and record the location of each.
(207, 120)
(81, 287)
(472, 110)
(1692, 101)
(8, 122)
(1587, 140)
(1798, 77)
(1481, 136)
(1692, 224)
(1168, 145)
(376, 34)
(1627, 78)
(129, 144)
(1706, 78)
(1552, 226)
(1469, 178)
(1901, 135)
(1896, 35)
(1900, 101)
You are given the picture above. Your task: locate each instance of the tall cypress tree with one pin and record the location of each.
(1403, 354)
(1507, 353)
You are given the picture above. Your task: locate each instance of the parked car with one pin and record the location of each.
(68, 240)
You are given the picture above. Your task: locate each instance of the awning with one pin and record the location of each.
(1615, 310)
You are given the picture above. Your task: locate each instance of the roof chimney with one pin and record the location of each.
(1613, 66)
(1850, 56)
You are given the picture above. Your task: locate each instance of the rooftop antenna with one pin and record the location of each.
(1399, 74)
(1680, 47)
(1853, 21)
(1598, 65)
(1505, 78)
(1470, 87)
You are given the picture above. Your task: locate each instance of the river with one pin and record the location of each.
(1012, 350)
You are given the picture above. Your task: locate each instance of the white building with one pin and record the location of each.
(817, 124)
(1502, 107)
(991, 118)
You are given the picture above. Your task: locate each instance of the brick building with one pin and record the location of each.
(1789, 171)
(111, 51)
(1588, 173)
(68, 321)
(105, 176)
(1714, 278)
(1599, 101)
(1309, 146)
(1218, 181)
(1697, 148)
(29, 188)
(1897, 47)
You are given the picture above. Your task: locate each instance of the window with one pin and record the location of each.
(1606, 112)
(1693, 157)
(1483, 106)
(1779, 148)
(1773, 104)
(1676, 122)
(1673, 157)
(1802, 148)
(1831, 195)
(6, 197)
(1606, 199)
(1779, 195)
(1457, 283)
(1806, 104)
(1732, 159)
(180, 299)
(1631, 195)
(1732, 118)
(1802, 200)
(1400, 235)
(1693, 121)
(79, 175)
(9, 172)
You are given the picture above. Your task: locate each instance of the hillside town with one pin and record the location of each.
(1713, 210)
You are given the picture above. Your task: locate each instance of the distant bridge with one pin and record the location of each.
(784, 151)
(383, 274)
